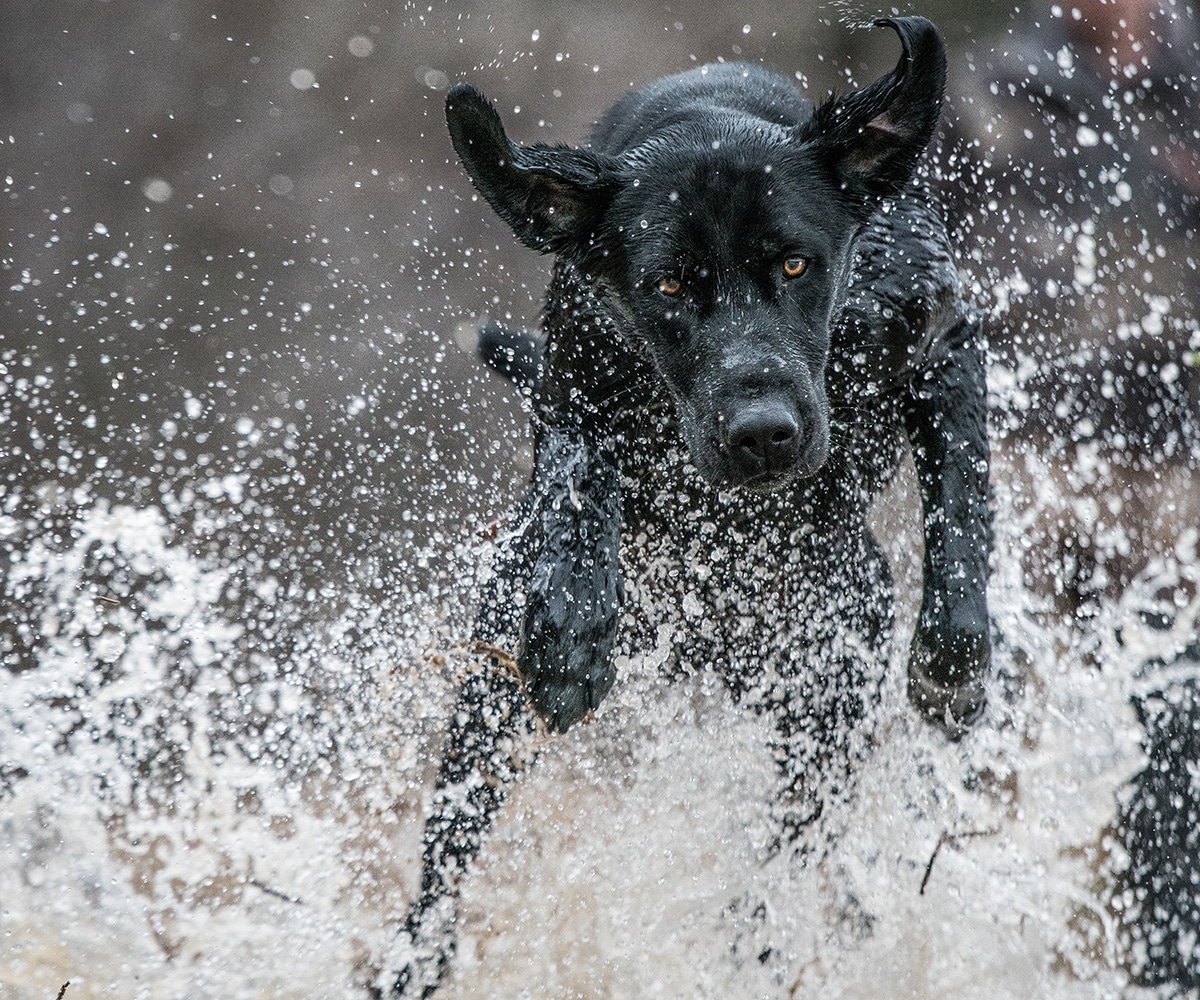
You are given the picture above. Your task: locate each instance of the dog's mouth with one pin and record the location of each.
(759, 484)
(769, 482)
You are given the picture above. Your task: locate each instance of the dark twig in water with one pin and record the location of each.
(502, 656)
(63, 990)
(506, 661)
(274, 892)
(949, 838)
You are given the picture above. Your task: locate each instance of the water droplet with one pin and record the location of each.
(157, 190)
(303, 79)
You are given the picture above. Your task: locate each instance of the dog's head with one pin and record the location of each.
(721, 236)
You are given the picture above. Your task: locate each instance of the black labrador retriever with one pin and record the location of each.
(753, 309)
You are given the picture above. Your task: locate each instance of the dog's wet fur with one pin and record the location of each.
(753, 312)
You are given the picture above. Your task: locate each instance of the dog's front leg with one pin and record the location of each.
(490, 740)
(563, 560)
(946, 417)
(565, 651)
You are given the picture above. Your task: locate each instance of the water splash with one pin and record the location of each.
(221, 708)
(231, 809)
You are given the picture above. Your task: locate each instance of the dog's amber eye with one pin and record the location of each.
(793, 267)
(670, 286)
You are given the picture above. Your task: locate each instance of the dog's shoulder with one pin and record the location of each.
(904, 302)
(904, 250)
(701, 97)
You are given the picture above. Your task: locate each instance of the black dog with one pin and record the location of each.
(753, 305)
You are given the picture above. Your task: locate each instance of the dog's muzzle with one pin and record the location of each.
(765, 442)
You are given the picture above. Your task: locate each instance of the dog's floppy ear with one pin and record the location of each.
(875, 136)
(550, 195)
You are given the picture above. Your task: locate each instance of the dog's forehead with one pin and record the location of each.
(729, 196)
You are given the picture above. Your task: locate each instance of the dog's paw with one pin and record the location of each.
(573, 595)
(750, 927)
(415, 965)
(418, 978)
(947, 668)
(566, 659)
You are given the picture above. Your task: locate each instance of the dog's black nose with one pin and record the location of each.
(763, 436)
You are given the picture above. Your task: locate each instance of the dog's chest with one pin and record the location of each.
(748, 584)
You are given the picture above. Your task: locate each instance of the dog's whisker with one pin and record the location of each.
(632, 391)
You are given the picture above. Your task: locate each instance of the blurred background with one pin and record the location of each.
(237, 237)
(237, 240)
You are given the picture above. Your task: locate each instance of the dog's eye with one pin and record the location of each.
(670, 287)
(793, 267)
